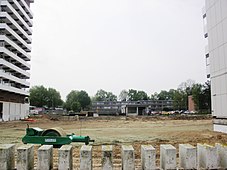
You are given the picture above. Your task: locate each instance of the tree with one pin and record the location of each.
(54, 98)
(180, 100)
(154, 96)
(38, 96)
(83, 99)
(41, 96)
(202, 97)
(163, 95)
(77, 100)
(123, 95)
(102, 95)
(135, 95)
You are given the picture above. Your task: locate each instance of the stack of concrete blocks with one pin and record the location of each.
(207, 157)
(148, 157)
(65, 158)
(127, 157)
(107, 157)
(7, 160)
(25, 157)
(45, 157)
(86, 157)
(222, 155)
(187, 156)
(167, 157)
(201, 157)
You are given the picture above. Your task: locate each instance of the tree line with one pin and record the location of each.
(80, 100)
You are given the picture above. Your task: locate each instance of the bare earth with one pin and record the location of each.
(134, 131)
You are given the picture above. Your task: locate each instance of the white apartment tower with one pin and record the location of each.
(215, 31)
(15, 46)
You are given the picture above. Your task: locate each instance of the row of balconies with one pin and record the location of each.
(7, 7)
(15, 22)
(9, 67)
(8, 87)
(8, 77)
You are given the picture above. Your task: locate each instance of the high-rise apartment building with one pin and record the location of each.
(15, 46)
(215, 31)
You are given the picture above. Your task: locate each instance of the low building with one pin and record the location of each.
(141, 107)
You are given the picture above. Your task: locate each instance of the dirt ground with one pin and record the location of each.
(119, 131)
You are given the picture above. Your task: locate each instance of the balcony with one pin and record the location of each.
(26, 8)
(12, 46)
(11, 78)
(21, 11)
(7, 7)
(14, 69)
(7, 87)
(15, 37)
(6, 18)
(14, 58)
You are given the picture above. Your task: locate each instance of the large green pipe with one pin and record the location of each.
(85, 139)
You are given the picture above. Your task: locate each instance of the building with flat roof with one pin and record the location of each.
(15, 47)
(215, 32)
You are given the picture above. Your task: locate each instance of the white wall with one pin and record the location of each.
(14, 111)
(216, 15)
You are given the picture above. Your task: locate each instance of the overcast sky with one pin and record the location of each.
(149, 45)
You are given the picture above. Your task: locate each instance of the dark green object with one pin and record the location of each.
(53, 136)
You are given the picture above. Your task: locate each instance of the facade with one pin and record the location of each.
(215, 32)
(15, 46)
(140, 107)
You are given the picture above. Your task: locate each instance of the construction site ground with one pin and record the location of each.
(117, 131)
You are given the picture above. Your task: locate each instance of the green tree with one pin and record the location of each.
(102, 95)
(202, 97)
(54, 98)
(135, 95)
(163, 95)
(38, 96)
(83, 99)
(77, 100)
(154, 96)
(123, 95)
(41, 96)
(180, 100)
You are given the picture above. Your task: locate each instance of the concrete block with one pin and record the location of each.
(127, 157)
(65, 158)
(187, 156)
(45, 157)
(86, 157)
(167, 157)
(222, 156)
(107, 157)
(25, 157)
(148, 157)
(207, 156)
(7, 160)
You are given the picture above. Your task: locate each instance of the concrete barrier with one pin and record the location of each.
(148, 157)
(25, 157)
(207, 156)
(127, 158)
(222, 155)
(45, 157)
(7, 160)
(201, 157)
(187, 156)
(65, 158)
(86, 157)
(107, 157)
(167, 157)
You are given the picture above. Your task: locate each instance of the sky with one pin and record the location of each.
(148, 45)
